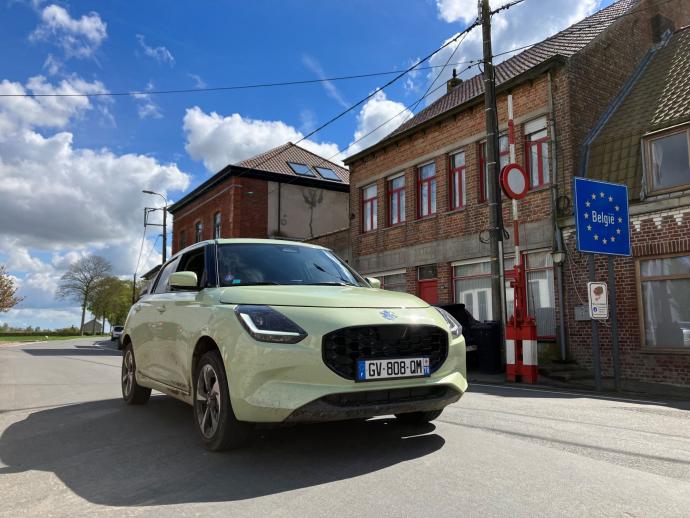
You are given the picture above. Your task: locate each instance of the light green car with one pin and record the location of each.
(263, 331)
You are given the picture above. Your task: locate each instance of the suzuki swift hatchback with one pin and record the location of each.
(250, 331)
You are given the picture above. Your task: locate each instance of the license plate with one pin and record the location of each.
(368, 370)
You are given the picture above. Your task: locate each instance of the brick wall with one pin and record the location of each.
(657, 234)
(529, 98)
(242, 203)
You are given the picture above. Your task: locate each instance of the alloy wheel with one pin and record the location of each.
(128, 373)
(208, 401)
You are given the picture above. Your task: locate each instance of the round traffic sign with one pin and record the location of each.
(514, 181)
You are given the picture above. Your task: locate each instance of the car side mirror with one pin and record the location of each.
(183, 281)
(374, 282)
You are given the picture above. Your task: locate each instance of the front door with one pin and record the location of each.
(427, 283)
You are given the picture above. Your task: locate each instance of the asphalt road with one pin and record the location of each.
(70, 447)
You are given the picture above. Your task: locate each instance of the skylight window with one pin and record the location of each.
(328, 174)
(301, 169)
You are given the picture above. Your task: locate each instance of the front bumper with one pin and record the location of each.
(356, 405)
(277, 383)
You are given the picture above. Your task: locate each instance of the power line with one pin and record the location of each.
(228, 88)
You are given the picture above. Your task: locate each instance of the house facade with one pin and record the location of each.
(287, 192)
(418, 198)
(643, 141)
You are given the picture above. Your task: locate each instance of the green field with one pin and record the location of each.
(29, 338)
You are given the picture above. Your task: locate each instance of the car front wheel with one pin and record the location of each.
(216, 422)
(132, 392)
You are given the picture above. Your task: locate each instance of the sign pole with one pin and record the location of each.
(596, 354)
(614, 326)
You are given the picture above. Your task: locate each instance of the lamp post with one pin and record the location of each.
(165, 213)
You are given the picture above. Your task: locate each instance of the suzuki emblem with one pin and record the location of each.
(388, 315)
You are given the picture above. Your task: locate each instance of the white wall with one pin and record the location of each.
(330, 212)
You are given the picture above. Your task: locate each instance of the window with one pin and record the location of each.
(183, 239)
(457, 181)
(669, 158)
(537, 152)
(504, 157)
(164, 275)
(396, 200)
(216, 225)
(472, 287)
(664, 294)
(393, 281)
(301, 169)
(427, 272)
(195, 261)
(426, 190)
(369, 208)
(198, 231)
(328, 173)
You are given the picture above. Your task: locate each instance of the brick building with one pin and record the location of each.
(287, 192)
(643, 141)
(418, 197)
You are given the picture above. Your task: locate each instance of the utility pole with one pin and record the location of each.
(164, 225)
(498, 299)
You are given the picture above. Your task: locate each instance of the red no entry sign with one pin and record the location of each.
(514, 181)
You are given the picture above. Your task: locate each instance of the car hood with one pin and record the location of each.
(319, 296)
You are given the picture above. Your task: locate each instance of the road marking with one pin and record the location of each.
(579, 394)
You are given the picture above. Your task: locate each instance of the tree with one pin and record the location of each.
(8, 290)
(82, 278)
(111, 299)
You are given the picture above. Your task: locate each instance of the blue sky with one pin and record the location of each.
(71, 169)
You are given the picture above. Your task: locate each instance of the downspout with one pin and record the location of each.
(279, 208)
(557, 235)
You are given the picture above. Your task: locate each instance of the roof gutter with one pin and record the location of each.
(477, 99)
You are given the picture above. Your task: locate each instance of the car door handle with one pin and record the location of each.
(162, 309)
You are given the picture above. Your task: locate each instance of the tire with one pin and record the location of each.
(214, 418)
(132, 392)
(418, 417)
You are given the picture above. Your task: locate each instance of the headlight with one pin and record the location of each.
(454, 326)
(265, 324)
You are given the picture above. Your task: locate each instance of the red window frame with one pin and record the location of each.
(540, 159)
(453, 172)
(420, 184)
(369, 204)
(399, 193)
(483, 196)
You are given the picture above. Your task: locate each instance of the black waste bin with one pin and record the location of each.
(487, 337)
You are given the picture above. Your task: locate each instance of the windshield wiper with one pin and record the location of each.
(264, 283)
(329, 283)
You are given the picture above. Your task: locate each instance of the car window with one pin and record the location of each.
(162, 282)
(251, 263)
(195, 261)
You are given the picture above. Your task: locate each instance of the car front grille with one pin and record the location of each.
(382, 397)
(342, 348)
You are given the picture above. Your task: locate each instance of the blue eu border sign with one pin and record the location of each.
(601, 217)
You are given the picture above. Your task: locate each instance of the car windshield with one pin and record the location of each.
(257, 264)
(118, 328)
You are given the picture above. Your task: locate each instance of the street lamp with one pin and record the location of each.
(165, 213)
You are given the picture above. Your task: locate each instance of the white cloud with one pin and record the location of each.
(160, 54)
(78, 38)
(508, 30)
(60, 202)
(378, 117)
(52, 64)
(312, 64)
(221, 140)
(147, 108)
(198, 81)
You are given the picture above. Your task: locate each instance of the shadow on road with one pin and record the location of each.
(79, 350)
(112, 454)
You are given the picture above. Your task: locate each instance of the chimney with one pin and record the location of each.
(660, 25)
(453, 81)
